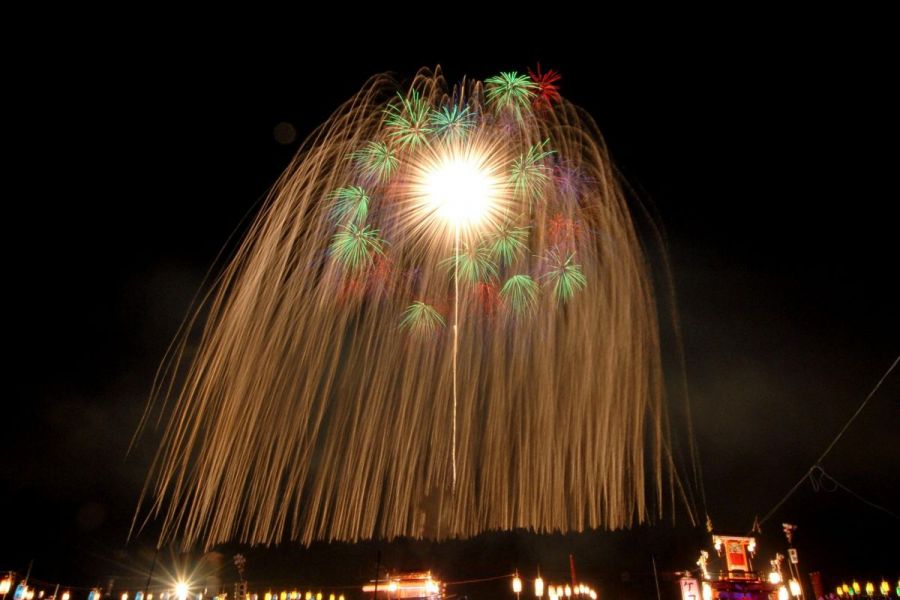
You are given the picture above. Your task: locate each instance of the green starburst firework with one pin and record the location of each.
(510, 90)
(350, 203)
(376, 159)
(408, 121)
(508, 243)
(528, 174)
(452, 122)
(520, 292)
(355, 246)
(564, 275)
(474, 263)
(421, 318)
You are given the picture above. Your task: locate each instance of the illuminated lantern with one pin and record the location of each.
(840, 591)
(568, 592)
(139, 596)
(856, 588)
(539, 587)
(736, 549)
(870, 589)
(795, 588)
(707, 591)
(5, 586)
(517, 585)
(66, 596)
(783, 593)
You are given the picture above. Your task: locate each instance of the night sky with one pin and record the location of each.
(767, 157)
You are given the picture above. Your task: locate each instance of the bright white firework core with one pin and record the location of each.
(460, 188)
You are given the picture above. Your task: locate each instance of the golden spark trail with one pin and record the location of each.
(455, 338)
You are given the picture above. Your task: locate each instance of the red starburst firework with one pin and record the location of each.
(489, 297)
(564, 231)
(548, 89)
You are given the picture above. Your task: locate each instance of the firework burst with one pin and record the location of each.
(407, 121)
(422, 319)
(563, 275)
(351, 381)
(356, 246)
(473, 263)
(520, 292)
(376, 160)
(508, 243)
(452, 122)
(350, 203)
(546, 88)
(509, 90)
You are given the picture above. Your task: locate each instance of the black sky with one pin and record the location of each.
(768, 156)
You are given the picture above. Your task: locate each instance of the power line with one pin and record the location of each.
(817, 465)
(818, 477)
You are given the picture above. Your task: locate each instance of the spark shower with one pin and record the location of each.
(440, 323)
